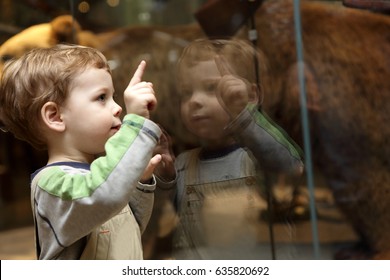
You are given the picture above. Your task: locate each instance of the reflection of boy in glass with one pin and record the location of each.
(216, 186)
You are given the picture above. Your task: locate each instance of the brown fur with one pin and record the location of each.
(347, 63)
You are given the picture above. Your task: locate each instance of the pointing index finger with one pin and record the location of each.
(137, 77)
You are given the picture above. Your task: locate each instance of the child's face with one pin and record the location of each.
(90, 113)
(201, 111)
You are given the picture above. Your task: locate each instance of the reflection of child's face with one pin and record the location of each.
(201, 112)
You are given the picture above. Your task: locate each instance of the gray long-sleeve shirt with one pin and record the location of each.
(71, 201)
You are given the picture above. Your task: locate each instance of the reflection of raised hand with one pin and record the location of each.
(139, 96)
(233, 92)
(148, 172)
(166, 169)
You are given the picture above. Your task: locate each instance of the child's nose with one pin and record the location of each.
(117, 110)
(197, 97)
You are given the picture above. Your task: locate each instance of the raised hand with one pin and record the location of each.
(148, 172)
(233, 92)
(139, 95)
(166, 169)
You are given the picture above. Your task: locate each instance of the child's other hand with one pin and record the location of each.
(148, 172)
(166, 168)
(139, 95)
(233, 92)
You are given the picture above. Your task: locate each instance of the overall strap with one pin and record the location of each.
(192, 171)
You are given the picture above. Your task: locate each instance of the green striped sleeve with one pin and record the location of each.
(263, 120)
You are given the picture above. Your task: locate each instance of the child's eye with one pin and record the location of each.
(210, 87)
(102, 97)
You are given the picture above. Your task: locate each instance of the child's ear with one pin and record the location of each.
(51, 116)
(254, 93)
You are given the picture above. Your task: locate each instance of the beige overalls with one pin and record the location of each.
(219, 220)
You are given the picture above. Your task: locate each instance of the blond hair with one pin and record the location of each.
(40, 76)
